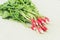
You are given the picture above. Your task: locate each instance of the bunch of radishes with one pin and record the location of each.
(26, 12)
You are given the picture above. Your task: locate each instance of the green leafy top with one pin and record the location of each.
(20, 10)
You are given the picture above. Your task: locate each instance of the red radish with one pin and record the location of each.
(40, 20)
(39, 23)
(33, 24)
(40, 30)
(44, 20)
(47, 19)
(44, 28)
(33, 28)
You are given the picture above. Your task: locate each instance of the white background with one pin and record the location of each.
(11, 30)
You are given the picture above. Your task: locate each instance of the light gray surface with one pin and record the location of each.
(10, 30)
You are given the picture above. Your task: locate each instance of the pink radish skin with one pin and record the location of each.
(44, 28)
(47, 19)
(40, 30)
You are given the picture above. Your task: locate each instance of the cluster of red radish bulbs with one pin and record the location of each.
(39, 24)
